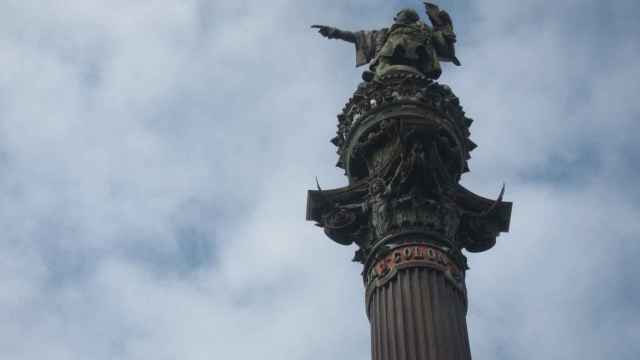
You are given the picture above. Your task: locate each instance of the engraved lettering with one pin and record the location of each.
(397, 257)
(419, 253)
(442, 259)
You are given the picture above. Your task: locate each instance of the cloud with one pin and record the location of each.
(155, 156)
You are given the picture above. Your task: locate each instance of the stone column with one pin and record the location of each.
(403, 141)
(417, 305)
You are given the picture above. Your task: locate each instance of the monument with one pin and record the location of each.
(403, 142)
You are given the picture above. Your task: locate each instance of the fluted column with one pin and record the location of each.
(416, 303)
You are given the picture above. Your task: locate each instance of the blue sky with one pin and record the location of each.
(155, 157)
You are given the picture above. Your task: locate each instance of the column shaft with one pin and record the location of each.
(418, 315)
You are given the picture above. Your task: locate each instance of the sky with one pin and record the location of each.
(155, 157)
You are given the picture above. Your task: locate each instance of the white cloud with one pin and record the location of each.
(134, 135)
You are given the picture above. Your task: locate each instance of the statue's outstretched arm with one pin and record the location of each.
(335, 33)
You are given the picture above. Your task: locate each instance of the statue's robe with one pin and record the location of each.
(415, 45)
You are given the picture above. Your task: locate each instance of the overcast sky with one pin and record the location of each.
(155, 157)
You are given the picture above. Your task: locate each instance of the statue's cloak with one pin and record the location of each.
(368, 44)
(413, 44)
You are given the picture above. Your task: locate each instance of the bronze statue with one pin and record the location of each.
(408, 44)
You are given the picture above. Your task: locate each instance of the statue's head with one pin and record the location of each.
(406, 16)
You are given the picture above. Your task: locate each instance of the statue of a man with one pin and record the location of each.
(378, 204)
(408, 44)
